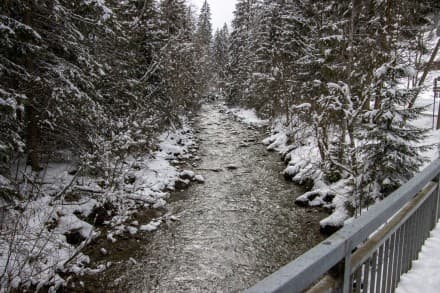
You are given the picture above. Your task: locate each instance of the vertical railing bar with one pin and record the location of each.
(421, 230)
(416, 234)
(385, 265)
(347, 282)
(411, 239)
(425, 219)
(433, 208)
(403, 248)
(397, 252)
(390, 263)
(366, 275)
(395, 260)
(438, 200)
(358, 276)
(379, 268)
(400, 257)
(408, 231)
(373, 272)
(425, 230)
(351, 282)
(429, 218)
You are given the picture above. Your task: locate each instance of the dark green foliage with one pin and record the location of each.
(99, 78)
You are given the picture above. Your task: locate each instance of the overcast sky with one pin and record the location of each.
(221, 11)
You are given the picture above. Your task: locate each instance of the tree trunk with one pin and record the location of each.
(32, 131)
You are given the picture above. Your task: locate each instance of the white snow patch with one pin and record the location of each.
(132, 230)
(71, 223)
(150, 227)
(187, 174)
(111, 238)
(248, 116)
(423, 276)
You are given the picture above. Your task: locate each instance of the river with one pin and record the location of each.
(238, 227)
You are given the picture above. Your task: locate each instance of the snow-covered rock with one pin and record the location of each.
(150, 227)
(111, 238)
(248, 116)
(199, 179)
(132, 230)
(181, 184)
(71, 223)
(160, 203)
(187, 174)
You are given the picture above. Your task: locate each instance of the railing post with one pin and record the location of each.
(347, 269)
(437, 200)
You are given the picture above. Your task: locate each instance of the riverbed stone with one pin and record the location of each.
(199, 179)
(232, 167)
(181, 184)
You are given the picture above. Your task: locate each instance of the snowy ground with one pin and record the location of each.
(43, 238)
(429, 117)
(424, 275)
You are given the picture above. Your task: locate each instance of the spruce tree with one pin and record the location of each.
(220, 55)
(204, 45)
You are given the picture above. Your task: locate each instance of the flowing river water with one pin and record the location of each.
(237, 228)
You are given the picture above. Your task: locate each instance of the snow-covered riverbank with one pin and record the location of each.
(43, 238)
(298, 148)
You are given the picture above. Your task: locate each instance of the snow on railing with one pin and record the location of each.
(356, 260)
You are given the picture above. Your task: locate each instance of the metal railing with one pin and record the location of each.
(354, 260)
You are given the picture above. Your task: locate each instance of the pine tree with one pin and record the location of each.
(181, 87)
(390, 151)
(280, 43)
(54, 76)
(241, 51)
(221, 57)
(204, 45)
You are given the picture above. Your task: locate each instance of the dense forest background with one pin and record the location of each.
(347, 71)
(96, 80)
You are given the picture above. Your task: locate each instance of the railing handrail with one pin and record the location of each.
(299, 274)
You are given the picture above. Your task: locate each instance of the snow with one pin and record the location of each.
(423, 276)
(4, 181)
(71, 223)
(248, 116)
(106, 12)
(426, 120)
(132, 230)
(39, 233)
(187, 174)
(199, 178)
(111, 238)
(150, 227)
